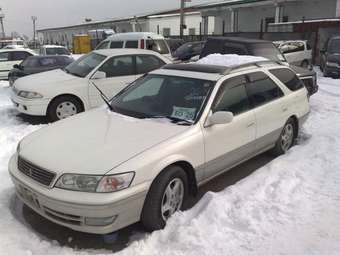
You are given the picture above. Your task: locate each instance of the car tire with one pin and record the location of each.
(163, 194)
(63, 107)
(286, 138)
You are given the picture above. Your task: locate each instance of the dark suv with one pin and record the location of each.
(330, 57)
(254, 47)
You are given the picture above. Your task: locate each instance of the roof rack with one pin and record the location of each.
(260, 63)
(217, 69)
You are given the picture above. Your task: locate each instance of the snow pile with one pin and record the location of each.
(289, 206)
(229, 59)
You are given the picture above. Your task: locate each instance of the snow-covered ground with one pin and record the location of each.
(289, 206)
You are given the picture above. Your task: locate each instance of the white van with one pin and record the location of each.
(137, 40)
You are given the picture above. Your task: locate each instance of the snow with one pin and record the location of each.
(289, 206)
(229, 59)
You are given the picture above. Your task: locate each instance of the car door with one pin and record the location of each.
(270, 108)
(4, 67)
(120, 71)
(228, 144)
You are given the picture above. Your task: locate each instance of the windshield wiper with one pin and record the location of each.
(174, 120)
(104, 97)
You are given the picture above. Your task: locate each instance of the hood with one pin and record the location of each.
(94, 142)
(35, 81)
(302, 72)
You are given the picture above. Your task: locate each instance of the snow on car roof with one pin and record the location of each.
(229, 60)
(53, 46)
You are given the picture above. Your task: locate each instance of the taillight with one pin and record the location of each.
(142, 44)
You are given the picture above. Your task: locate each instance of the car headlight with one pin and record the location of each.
(29, 94)
(95, 183)
(333, 64)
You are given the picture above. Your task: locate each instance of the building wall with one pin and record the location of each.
(192, 21)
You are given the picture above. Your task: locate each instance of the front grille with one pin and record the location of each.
(35, 172)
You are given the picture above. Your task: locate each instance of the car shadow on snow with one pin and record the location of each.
(119, 240)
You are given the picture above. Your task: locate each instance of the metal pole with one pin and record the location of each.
(181, 19)
(34, 18)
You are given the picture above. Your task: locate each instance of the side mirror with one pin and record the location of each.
(219, 118)
(99, 75)
(16, 66)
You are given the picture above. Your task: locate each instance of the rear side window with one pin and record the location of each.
(232, 96)
(233, 49)
(288, 78)
(46, 62)
(148, 63)
(116, 44)
(261, 89)
(131, 44)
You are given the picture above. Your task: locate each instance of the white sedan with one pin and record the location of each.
(11, 57)
(297, 52)
(157, 141)
(59, 94)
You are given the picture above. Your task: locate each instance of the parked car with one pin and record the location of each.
(161, 138)
(174, 44)
(10, 57)
(59, 94)
(38, 64)
(137, 40)
(298, 52)
(245, 46)
(188, 50)
(330, 57)
(53, 50)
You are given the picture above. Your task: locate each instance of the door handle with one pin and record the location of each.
(284, 109)
(251, 124)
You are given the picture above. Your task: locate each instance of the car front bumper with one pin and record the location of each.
(36, 107)
(99, 216)
(332, 70)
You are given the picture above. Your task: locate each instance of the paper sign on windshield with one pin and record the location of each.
(183, 113)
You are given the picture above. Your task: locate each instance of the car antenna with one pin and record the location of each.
(103, 96)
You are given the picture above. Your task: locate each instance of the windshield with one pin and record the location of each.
(158, 46)
(268, 51)
(57, 51)
(158, 96)
(30, 62)
(84, 65)
(334, 46)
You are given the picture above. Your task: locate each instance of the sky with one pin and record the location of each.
(52, 13)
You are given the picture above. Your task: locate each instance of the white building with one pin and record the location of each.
(207, 19)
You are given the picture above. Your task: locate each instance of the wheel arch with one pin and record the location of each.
(66, 94)
(187, 168)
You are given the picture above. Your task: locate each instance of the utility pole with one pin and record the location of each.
(181, 23)
(2, 16)
(34, 19)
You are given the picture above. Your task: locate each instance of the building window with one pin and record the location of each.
(192, 31)
(166, 31)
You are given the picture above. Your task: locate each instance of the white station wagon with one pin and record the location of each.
(158, 140)
(59, 94)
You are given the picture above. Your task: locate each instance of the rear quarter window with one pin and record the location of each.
(288, 78)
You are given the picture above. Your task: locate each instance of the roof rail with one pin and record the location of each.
(250, 64)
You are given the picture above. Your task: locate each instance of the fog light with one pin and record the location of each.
(100, 221)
